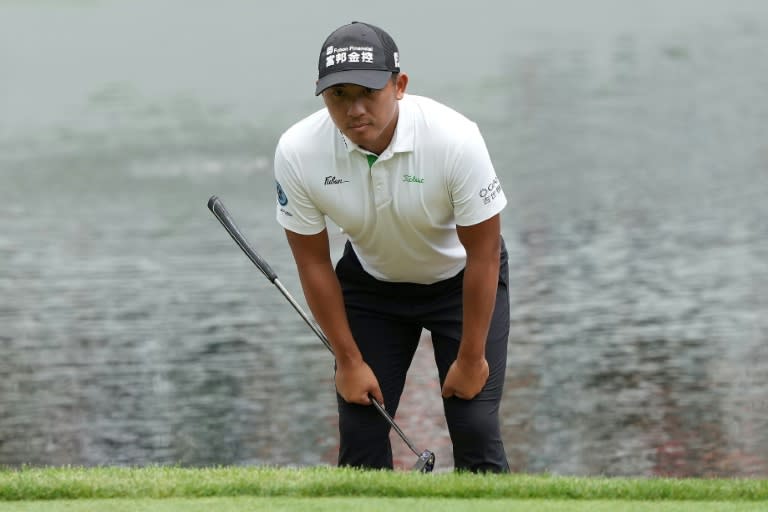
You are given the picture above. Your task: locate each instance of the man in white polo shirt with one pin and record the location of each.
(412, 186)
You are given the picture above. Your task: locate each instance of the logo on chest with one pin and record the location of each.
(407, 178)
(333, 180)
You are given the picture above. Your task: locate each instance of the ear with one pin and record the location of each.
(401, 84)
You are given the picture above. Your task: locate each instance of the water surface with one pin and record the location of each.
(630, 140)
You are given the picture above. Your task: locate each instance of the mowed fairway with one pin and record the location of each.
(169, 489)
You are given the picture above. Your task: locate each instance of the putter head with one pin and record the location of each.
(426, 462)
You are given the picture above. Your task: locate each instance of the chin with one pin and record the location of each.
(357, 139)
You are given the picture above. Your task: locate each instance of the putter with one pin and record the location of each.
(426, 461)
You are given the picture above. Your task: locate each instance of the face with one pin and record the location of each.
(367, 117)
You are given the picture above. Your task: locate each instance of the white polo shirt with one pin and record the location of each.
(400, 213)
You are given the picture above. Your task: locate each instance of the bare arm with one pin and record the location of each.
(468, 374)
(354, 378)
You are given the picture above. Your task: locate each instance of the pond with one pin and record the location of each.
(630, 141)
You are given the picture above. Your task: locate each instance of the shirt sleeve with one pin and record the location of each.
(475, 188)
(295, 209)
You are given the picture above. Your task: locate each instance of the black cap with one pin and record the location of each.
(357, 53)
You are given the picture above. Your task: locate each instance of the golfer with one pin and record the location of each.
(410, 183)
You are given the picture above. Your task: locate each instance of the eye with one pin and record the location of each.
(337, 92)
(369, 91)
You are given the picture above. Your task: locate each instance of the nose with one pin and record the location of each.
(356, 108)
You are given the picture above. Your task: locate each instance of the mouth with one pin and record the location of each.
(358, 128)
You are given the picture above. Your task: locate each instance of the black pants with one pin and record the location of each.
(386, 320)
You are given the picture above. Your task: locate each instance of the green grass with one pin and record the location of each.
(168, 489)
(369, 504)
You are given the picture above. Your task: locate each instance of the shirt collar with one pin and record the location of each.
(402, 139)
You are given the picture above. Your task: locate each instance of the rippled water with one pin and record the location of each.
(632, 147)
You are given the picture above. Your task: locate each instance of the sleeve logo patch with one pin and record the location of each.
(281, 197)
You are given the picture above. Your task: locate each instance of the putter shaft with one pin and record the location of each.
(426, 458)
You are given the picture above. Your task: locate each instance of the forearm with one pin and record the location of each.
(324, 298)
(481, 276)
(355, 381)
(469, 373)
(323, 292)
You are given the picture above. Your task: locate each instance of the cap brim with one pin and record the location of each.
(373, 78)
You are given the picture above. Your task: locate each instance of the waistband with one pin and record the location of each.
(351, 273)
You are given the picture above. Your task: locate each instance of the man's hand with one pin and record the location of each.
(355, 381)
(465, 379)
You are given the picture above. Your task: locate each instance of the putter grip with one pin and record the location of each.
(220, 212)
